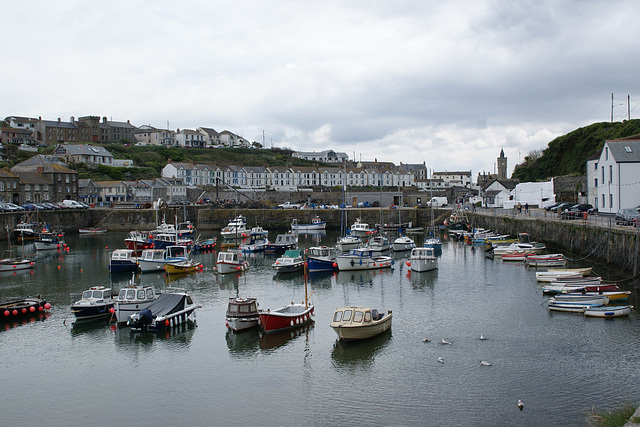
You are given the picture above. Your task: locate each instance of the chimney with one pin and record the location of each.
(59, 120)
(72, 119)
(40, 169)
(104, 119)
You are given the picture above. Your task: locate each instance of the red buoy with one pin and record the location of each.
(6, 312)
(14, 312)
(47, 306)
(24, 310)
(32, 309)
(112, 310)
(166, 322)
(335, 264)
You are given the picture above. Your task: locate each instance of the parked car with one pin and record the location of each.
(288, 205)
(14, 207)
(548, 208)
(576, 211)
(51, 206)
(73, 204)
(562, 206)
(628, 216)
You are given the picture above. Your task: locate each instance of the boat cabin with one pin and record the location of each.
(321, 252)
(136, 294)
(97, 293)
(228, 257)
(356, 315)
(285, 239)
(240, 307)
(123, 255)
(423, 253)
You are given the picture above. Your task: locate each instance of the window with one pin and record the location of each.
(596, 182)
(367, 316)
(347, 315)
(603, 202)
(602, 173)
(610, 200)
(606, 153)
(337, 316)
(357, 316)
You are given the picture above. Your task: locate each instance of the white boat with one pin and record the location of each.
(242, 314)
(9, 262)
(348, 242)
(359, 323)
(258, 231)
(556, 289)
(95, 303)
(361, 229)
(155, 259)
(257, 243)
(608, 311)
(236, 228)
(92, 231)
(131, 300)
(549, 276)
(316, 224)
(577, 281)
(581, 298)
(570, 306)
(379, 244)
(519, 248)
(26, 231)
(403, 243)
(362, 259)
(48, 241)
(545, 260)
(230, 262)
(291, 261)
(170, 309)
(123, 260)
(422, 259)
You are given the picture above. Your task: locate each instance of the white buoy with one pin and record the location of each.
(520, 404)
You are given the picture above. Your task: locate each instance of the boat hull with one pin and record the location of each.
(239, 324)
(182, 268)
(346, 262)
(227, 267)
(287, 317)
(317, 264)
(421, 265)
(93, 311)
(357, 333)
(22, 308)
(14, 265)
(125, 265)
(614, 311)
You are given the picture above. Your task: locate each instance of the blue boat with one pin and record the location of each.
(321, 258)
(123, 260)
(435, 243)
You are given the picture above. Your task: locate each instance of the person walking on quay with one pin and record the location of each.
(526, 208)
(519, 207)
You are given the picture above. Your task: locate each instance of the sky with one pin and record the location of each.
(448, 83)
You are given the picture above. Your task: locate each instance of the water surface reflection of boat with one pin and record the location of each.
(359, 353)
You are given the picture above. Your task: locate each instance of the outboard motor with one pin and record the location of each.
(142, 319)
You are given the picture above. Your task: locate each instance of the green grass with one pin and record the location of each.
(615, 417)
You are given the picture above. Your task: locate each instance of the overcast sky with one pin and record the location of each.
(449, 83)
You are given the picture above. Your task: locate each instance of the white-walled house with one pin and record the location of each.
(534, 193)
(617, 180)
(592, 178)
(191, 138)
(498, 193)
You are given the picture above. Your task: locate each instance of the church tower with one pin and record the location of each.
(502, 166)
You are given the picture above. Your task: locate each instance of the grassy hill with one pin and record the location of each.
(567, 154)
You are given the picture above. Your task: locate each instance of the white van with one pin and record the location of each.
(72, 204)
(437, 202)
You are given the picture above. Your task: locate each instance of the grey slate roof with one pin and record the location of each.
(621, 154)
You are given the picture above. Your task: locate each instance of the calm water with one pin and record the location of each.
(559, 364)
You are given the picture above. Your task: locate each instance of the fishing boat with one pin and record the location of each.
(24, 307)
(236, 228)
(379, 244)
(403, 243)
(545, 260)
(257, 243)
(96, 302)
(362, 259)
(321, 258)
(155, 259)
(173, 308)
(258, 231)
(316, 224)
(434, 243)
(26, 231)
(354, 323)
(348, 242)
(186, 229)
(46, 241)
(9, 262)
(91, 231)
(283, 242)
(288, 316)
(230, 262)
(242, 314)
(422, 259)
(291, 261)
(183, 267)
(203, 245)
(132, 299)
(123, 260)
(138, 241)
(162, 240)
(608, 311)
(361, 229)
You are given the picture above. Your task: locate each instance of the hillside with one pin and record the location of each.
(567, 154)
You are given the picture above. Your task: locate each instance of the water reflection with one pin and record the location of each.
(243, 344)
(89, 327)
(422, 279)
(362, 277)
(359, 353)
(23, 320)
(280, 339)
(177, 336)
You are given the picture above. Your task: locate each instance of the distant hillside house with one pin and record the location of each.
(229, 139)
(152, 136)
(618, 177)
(498, 193)
(88, 191)
(326, 156)
(9, 135)
(64, 180)
(9, 187)
(190, 138)
(211, 135)
(419, 170)
(451, 179)
(35, 188)
(88, 154)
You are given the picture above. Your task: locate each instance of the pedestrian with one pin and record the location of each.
(519, 208)
(526, 207)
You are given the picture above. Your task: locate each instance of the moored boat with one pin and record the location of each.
(552, 288)
(362, 259)
(348, 242)
(549, 276)
(169, 309)
(230, 262)
(283, 242)
(242, 314)
(24, 307)
(286, 317)
(26, 231)
(433, 242)
(46, 241)
(291, 261)
(360, 229)
(132, 299)
(92, 231)
(570, 306)
(9, 262)
(379, 243)
(123, 260)
(358, 323)
(182, 267)
(321, 258)
(138, 241)
(257, 243)
(546, 260)
(236, 228)
(155, 259)
(316, 224)
(96, 302)
(422, 259)
(608, 311)
(403, 243)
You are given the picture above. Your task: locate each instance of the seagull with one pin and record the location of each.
(426, 340)
(520, 404)
(482, 337)
(483, 363)
(445, 342)
(440, 359)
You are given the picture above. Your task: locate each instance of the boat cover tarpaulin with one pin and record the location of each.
(167, 304)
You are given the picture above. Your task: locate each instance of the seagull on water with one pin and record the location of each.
(426, 340)
(445, 342)
(520, 404)
(483, 363)
(440, 359)
(482, 337)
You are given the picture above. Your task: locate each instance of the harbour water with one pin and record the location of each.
(559, 364)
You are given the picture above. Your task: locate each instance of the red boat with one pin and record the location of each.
(515, 257)
(287, 317)
(138, 241)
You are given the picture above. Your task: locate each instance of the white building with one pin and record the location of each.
(454, 179)
(191, 138)
(617, 181)
(534, 193)
(326, 156)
